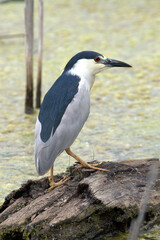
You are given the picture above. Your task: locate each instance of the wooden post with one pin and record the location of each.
(29, 6)
(40, 51)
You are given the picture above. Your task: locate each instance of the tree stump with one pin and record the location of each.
(91, 205)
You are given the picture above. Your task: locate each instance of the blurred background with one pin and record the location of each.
(124, 122)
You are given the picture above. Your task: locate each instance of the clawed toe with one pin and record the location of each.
(53, 184)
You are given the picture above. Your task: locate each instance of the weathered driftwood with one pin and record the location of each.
(91, 205)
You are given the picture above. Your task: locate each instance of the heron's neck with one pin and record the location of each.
(89, 80)
(85, 77)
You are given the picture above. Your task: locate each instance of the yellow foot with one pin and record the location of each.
(84, 164)
(92, 166)
(53, 184)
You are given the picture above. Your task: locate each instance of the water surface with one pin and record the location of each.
(125, 103)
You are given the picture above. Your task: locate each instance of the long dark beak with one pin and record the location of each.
(115, 63)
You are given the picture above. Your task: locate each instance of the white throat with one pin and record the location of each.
(86, 70)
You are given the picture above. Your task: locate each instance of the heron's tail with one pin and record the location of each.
(43, 160)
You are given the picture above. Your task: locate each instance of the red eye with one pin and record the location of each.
(97, 59)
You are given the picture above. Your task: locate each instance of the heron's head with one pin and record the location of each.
(90, 63)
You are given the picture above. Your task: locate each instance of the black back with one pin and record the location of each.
(55, 103)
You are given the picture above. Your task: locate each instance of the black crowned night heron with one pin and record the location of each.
(65, 109)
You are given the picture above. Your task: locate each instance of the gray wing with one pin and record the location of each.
(68, 129)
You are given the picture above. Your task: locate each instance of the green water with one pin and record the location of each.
(125, 103)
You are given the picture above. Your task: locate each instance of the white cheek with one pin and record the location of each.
(87, 68)
(98, 67)
(94, 67)
(83, 67)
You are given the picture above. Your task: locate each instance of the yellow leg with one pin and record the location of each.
(52, 183)
(51, 176)
(84, 164)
